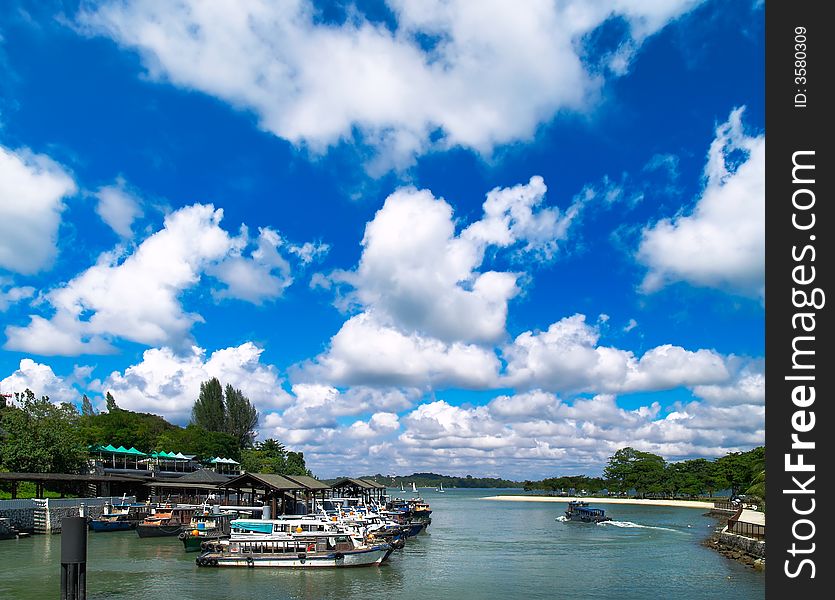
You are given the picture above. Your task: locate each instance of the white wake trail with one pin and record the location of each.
(630, 525)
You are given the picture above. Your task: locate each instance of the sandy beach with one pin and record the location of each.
(639, 501)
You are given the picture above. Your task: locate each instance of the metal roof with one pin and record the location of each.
(349, 482)
(310, 483)
(203, 476)
(268, 481)
(371, 482)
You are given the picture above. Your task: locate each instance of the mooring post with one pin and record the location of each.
(74, 558)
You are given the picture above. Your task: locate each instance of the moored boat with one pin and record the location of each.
(205, 527)
(579, 511)
(166, 522)
(316, 550)
(120, 517)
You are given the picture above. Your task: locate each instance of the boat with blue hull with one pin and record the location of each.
(120, 517)
(581, 512)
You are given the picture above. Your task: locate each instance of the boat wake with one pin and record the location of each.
(561, 519)
(631, 525)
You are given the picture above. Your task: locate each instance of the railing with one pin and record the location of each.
(64, 502)
(751, 530)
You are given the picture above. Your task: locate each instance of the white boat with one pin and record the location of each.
(441, 489)
(281, 528)
(401, 487)
(315, 550)
(414, 488)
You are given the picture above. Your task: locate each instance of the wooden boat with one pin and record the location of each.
(120, 517)
(315, 550)
(203, 528)
(166, 522)
(581, 512)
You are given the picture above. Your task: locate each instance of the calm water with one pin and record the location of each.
(474, 549)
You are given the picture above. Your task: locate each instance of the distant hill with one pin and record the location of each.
(433, 480)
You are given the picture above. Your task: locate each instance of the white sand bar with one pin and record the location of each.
(639, 501)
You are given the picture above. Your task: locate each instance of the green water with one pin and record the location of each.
(474, 549)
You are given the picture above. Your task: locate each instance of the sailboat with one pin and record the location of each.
(401, 487)
(414, 488)
(441, 489)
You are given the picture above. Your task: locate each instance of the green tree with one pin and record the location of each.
(268, 456)
(196, 440)
(241, 417)
(87, 406)
(111, 403)
(41, 437)
(124, 428)
(295, 464)
(209, 410)
(629, 468)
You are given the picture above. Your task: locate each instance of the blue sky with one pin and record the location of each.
(454, 237)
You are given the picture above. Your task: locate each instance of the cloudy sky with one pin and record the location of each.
(495, 238)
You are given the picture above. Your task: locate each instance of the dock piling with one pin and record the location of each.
(74, 558)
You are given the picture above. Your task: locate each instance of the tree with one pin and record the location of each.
(124, 428)
(295, 464)
(41, 437)
(87, 406)
(209, 410)
(270, 456)
(111, 403)
(196, 440)
(629, 468)
(241, 417)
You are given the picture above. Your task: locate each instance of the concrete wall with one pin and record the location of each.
(752, 547)
(6, 530)
(22, 519)
(44, 516)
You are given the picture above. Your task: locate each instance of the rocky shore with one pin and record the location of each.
(748, 551)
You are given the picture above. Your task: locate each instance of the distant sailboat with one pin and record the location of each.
(440, 489)
(414, 488)
(402, 489)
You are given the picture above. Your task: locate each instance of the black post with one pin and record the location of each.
(74, 558)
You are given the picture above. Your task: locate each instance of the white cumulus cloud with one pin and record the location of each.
(167, 383)
(472, 74)
(32, 190)
(41, 379)
(137, 296)
(118, 206)
(721, 243)
(567, 357)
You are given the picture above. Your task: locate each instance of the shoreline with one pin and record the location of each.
(636, 501)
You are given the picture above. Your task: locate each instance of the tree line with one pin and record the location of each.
(630, 471)
(449, 481)
(41, 437)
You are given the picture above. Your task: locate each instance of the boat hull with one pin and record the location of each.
(97, 525)
(149, 531)
(193, 543)
(334, 560)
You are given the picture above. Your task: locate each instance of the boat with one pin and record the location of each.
(120, 517)
(414, 488)
(314, 550)
(441, 489)
(579, 511)
(166, 521)
(205, 527)
(401, 487)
